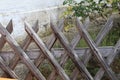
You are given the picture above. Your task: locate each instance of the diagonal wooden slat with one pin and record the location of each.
(40, 59)
(10, 29)
(26, 43)
(53, 38)
(73, 44)
(110, 59)
(23, 56)
(49, 43)
(101, 35)
(103, 32)
(4, 65)
(46, 52)
(6, 69)
(38, 55)
(79, 64)
(95, 51)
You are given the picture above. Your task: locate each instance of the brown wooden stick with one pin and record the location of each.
(26, 43)
(95, 51)
(4, 65)
(103, 32)
(23, 56)
(110, 59)
(79, 64)
(46, 52)
(51, 41)
(65, 56)
(10, 29)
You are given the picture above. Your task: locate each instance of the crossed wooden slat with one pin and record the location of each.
(110, 59)
(108, 26)
(3, 64)
(103, 32)
(19, 52)
(49, 44)
(101, 36)
(30, 30)
(65, 57)
(26, 43)
(95, 51)
(45, 52)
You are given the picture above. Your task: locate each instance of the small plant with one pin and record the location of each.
(85, 8)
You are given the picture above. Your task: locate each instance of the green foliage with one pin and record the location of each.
(85, 8)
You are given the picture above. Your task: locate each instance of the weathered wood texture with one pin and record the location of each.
(79, 56)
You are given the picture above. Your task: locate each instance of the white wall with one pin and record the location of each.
(27, 5)
(18, 19)
(27, 10)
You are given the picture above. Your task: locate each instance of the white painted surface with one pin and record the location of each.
(27, 10)
(18, 19)
(27, 5)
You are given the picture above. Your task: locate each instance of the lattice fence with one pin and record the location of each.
(80, 57)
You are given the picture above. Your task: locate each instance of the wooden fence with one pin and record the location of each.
(79, 56)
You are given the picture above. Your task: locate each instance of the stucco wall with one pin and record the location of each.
(27, 5)
(30, 16)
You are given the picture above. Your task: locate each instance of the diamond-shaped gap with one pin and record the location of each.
(46, 68)
(70, 34)
(112, 37)
(77, 75)
(7, 53)
(58, 50)
(94, 29)
(57, 44)
(6, 47)
(45, 32)
(93, 33)
(32, 45)
(93, 65)
(20, 40)
(21, 70)
(81, 44)
(116, 65)
(69, 66)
